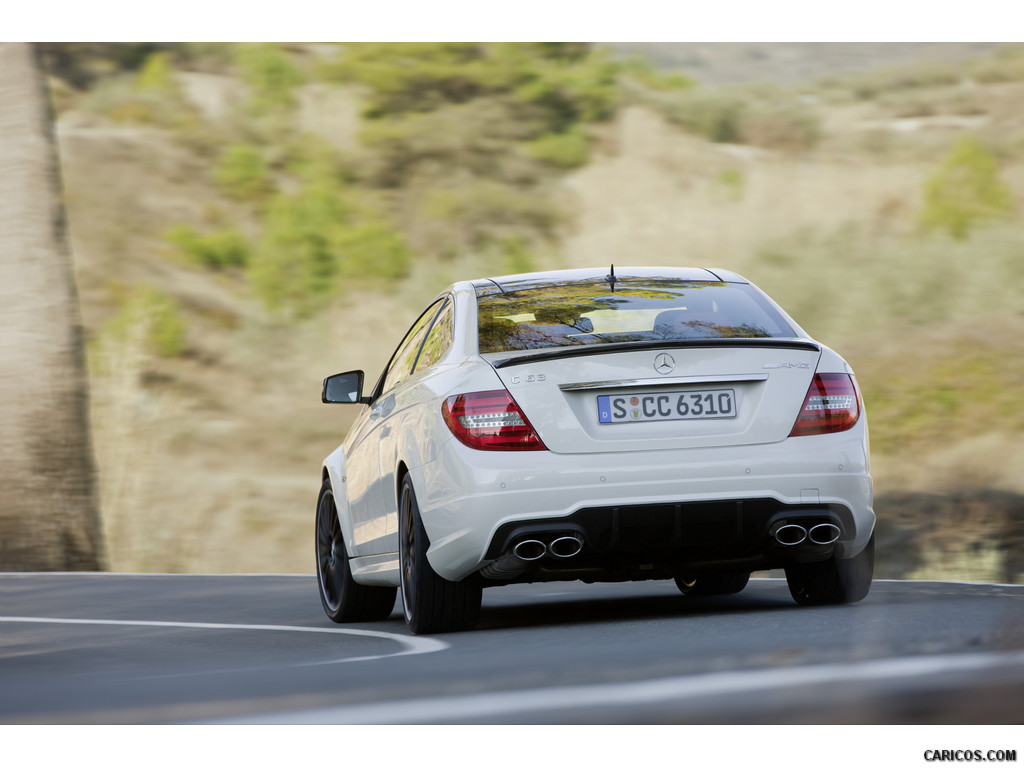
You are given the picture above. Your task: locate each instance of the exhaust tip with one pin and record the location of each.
(824, 533)
(529, 550)
(791, 535)
(565, 546)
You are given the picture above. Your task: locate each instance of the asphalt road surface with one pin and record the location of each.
(118, 648)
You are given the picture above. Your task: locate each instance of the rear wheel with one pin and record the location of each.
(432, 604)
(343, 599)
(833, 581)
(707, 584)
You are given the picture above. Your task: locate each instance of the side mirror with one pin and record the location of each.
(346, 388)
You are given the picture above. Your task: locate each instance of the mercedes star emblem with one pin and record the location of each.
(664, 364)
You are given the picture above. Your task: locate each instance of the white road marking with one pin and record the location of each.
(673, 689)
(411, 644)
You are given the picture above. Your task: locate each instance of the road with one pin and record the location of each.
(118, 648)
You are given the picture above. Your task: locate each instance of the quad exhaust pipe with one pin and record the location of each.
(824, 533)
(563, 547)
(515, 560)
(792, 534)
(530, 550)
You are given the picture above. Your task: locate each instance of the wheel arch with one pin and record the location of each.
(400, 472)
(333, 471)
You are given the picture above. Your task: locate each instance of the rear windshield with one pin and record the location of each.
(545, 314)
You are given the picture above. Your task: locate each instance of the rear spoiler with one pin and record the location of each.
(556, 353)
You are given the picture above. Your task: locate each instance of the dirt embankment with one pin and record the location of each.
(977, 534)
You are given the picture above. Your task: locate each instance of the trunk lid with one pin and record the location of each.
(711, 393)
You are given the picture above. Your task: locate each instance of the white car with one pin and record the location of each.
(601, 426)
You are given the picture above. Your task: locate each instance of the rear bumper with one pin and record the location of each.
(711, 504)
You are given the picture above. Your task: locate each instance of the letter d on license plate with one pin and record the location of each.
(667, 406)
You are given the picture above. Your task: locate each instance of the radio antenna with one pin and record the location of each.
(611, 279)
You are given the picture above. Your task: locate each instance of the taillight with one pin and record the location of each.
(490, 421)
(831, 405)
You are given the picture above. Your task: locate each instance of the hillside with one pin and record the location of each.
(206, 373)
(731, 63)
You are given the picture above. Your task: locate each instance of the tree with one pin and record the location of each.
(49, 514)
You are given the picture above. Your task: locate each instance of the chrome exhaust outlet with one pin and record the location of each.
(824, 533)
(565, 546)
(791, 535)
(529, 550)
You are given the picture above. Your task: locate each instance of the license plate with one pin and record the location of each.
(667, 406)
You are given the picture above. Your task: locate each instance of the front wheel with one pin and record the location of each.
(833, 581)
(343, 598)
(432, 604)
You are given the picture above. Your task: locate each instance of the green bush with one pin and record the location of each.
(271, 76)
(152, 318)
(294, 267)
(373, 250)
(156, 74)
(317, 239)
(242, 174)
(219, 249)
(965, 190)
(413, 77)
(561, 150)
(644, 74)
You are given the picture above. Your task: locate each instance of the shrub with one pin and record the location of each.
(156, 74)
(965, 190)
(153, 318)
(373, 250)
(242, 173)
(215, 250)
(270, 74)
(561, 150)
(294, 267)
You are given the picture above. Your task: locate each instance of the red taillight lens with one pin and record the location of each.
(490, 421)
(832, 405)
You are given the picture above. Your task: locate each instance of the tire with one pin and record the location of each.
(344, 600)
(833, 581)
(432, 604)
(708, 584)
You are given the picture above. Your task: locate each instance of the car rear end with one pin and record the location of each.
(642, 425)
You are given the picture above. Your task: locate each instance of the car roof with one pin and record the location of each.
(507, 283)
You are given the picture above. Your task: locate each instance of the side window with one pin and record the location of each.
(439, 339)
(404, 358)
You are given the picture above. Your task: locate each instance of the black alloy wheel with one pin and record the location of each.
(432, 604)
(833, 581)
(344, 599)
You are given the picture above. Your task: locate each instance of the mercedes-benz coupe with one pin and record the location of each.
(595, 425)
